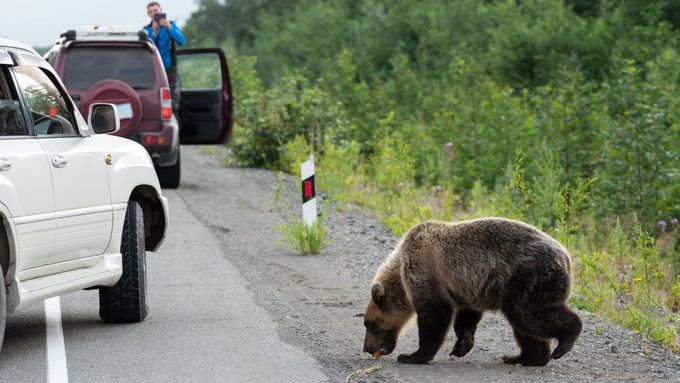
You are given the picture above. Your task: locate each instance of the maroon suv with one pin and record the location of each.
(123, 67)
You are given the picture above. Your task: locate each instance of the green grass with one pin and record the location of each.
(303, 238)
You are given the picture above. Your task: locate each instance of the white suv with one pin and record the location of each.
(78, 209)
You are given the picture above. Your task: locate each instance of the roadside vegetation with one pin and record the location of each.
(564, 114)
(305, 239)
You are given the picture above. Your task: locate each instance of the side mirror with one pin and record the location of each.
(103, 118)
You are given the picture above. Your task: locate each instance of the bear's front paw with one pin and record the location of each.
(512, 359)
(462, 347)
(525, 360)
(412, 359)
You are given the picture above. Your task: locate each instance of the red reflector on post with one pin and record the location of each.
(52, 111)
(308, 189)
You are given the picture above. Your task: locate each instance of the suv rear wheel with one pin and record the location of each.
(125, 302)
(169, 176)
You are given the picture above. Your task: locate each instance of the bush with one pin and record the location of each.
(277, 116)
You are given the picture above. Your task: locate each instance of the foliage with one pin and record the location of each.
(306, 239)
(294, 153)
(337, 171)
(628, 283)
(276, 116)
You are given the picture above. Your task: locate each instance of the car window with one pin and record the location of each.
(11, 120)
(85, 66)
(200, 71)
(48, 106)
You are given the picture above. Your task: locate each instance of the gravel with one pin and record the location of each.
(318, 301)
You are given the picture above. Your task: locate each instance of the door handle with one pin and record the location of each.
(59, 161)
(5, 164)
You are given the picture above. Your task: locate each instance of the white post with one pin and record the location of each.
(308, 191)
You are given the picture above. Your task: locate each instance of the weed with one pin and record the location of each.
(279, 186)
(306, 239)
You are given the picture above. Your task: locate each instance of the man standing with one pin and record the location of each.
(165, 34)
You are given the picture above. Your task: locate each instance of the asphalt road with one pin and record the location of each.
(230, 302)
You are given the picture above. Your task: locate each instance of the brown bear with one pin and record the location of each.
(440, 269)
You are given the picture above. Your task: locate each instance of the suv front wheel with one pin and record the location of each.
(125, 302)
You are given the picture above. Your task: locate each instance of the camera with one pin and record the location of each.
(158, 17)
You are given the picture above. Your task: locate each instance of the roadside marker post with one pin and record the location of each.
(307, 173)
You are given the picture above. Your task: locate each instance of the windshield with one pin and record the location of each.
(86, 66)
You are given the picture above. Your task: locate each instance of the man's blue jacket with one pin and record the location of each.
(163, 41)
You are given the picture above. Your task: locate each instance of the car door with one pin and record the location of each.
(206, 100)
(25, 180)
(82, 201)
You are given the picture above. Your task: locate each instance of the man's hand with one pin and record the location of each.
(165, 23)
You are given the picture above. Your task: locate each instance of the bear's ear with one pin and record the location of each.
(378, 293)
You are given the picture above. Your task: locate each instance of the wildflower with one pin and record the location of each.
(449, 147)
(661, 224)
(438, 189)
(637, 279)
(674, 221)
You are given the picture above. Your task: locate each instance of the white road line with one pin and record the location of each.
(56, 353)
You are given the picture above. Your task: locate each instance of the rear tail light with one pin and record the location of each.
(166, 104)
(154, 140)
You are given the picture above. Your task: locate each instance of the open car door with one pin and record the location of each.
(206, 103)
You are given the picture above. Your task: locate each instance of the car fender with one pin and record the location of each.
(132, 176)
(10, 231)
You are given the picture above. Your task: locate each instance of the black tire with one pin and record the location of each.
(169, 176)
(125, 302)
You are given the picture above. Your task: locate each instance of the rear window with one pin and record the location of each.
(86, 66)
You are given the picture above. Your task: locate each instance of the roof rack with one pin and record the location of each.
(99, 33)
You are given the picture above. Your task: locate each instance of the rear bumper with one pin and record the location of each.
(163, 145)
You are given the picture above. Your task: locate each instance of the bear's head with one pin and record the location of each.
(387, 312)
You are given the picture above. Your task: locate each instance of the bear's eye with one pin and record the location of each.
(369, 325)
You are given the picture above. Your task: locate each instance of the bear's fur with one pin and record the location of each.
(443, 271)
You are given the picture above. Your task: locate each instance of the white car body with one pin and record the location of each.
(63, 201)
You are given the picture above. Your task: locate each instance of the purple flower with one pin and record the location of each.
(674, 221)
(662, 224)
(449, 147)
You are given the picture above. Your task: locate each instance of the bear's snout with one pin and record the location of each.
(373, 345)
(376, 346)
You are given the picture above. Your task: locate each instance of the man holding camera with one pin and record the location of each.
(165, 34)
